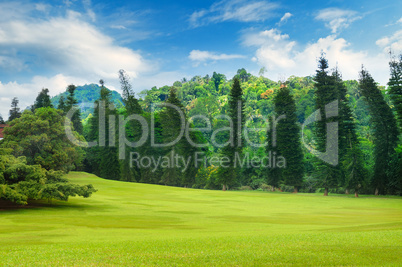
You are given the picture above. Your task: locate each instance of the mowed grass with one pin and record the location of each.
(138, 224)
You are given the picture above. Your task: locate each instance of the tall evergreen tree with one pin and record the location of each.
(328, 175)
(15, 110)
(273, 174)
(172, 124)
(228, 176)
(395, 92)
(43, 99)
(133, 128)
(395, 88)
(103, 158)
(62, 104)
(288, 138)
(2, 120)
(350, 154)
(72, 103)
(385, 131)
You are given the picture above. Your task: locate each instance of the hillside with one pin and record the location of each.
(140, 224)
(88, 93)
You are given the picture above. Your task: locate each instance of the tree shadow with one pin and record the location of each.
(8, 206)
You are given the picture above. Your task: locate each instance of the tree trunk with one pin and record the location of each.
(273, 188)
(224, 187)
(356, 193)
(347, 191)
(376, 192)
(295, 191)
(326, 191)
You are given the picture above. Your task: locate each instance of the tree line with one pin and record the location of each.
(368, 118)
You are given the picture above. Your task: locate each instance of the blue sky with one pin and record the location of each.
(55, 43)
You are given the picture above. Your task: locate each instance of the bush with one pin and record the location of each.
(265, 187)
(20, 182)
(245, 188)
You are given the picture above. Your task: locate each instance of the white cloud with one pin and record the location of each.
(202, 56)
(90, 12)
(337, 19)
(70, 46)
(42, 7)
(27, 92)
(399, 20)
(280, 55)
(391, 43)
(118, 27)
(57, 51)
(285, 17)
(233, 10)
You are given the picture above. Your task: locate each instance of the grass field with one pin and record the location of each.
(139, 224)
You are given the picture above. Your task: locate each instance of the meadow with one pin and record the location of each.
(142, 224)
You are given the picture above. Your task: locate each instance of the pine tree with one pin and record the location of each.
(62, 104)
(15, 110)
(228, 175)
(43, 99)
(326, 92)
(133, 128)
(172, 124)
(288, 138)
(395, 88)
(395, 92)
(103, 158)
(350, 154)
(385, 131)
(72, 103)
(273, 173)
(2, 120)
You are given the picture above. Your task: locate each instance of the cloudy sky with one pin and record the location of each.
(55, 43)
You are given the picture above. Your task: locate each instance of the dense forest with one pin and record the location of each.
(241, 120)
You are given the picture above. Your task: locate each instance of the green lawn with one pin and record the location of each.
(139, 224)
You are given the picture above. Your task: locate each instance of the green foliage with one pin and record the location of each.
(326, 91)
(20, 182)
(43, 100)
(87, 93)
(71, 104)
(227, 176)
(384, 129)
(15, 110)
(288, 138)
(41, 138)
(395, 88)
(102, 158)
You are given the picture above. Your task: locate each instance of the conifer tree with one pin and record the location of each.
(328, 175)
(288, 138)
(172, 124)
(350, 154)
(273, 173)
(133, 128)
(62, 104)
(2, 120)
(43, 99)
(395, 88)
(103, 158)
(227, 176)
(15, 110)
(385, 131)
(72, 103)
(395, 92)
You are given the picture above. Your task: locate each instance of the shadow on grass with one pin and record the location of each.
(8, 206)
